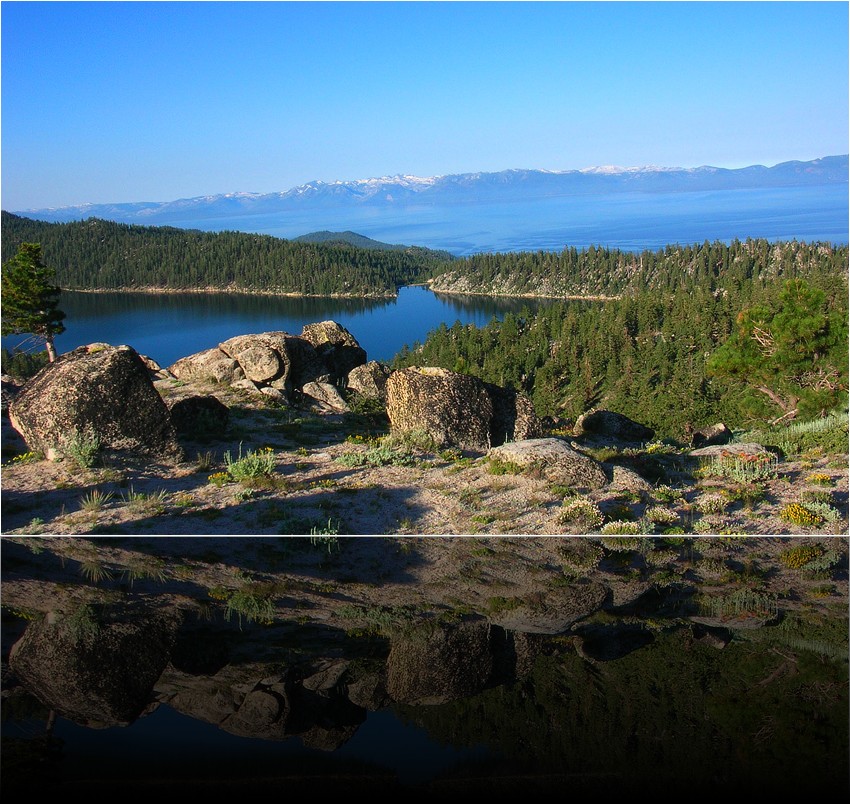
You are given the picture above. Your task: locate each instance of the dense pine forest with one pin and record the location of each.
(747, 333)
(678, 347)
(98, 254)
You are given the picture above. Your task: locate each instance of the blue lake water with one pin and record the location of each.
(627, 221)
(168, 326)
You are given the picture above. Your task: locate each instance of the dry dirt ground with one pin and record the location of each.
(312, 491)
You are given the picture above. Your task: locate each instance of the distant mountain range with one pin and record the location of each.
(508, 186)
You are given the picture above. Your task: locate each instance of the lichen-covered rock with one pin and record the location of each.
(555, 460)
(454, 409)
(554, 615)
(369, 380)
(730, 449)
(336, 346)
(611, 425)
(262, 357)
(101, 391)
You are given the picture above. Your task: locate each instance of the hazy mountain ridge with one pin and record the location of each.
(464, 188)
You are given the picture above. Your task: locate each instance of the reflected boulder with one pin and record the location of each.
(439, 664)
(92, 668)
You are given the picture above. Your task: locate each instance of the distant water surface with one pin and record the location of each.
(168, 326)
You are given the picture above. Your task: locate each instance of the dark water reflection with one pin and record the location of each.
(160, 701)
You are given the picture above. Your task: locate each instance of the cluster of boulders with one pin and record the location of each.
(109, 394)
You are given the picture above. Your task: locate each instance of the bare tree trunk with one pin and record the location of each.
(51, 350)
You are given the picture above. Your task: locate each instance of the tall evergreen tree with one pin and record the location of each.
(30, 299)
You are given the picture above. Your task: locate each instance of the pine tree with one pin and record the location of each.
(29, 298)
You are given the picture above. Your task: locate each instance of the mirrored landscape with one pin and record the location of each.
(505, 666)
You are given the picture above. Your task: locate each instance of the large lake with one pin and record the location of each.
(168, 326)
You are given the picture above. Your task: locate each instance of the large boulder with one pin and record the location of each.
(99, 391)
(262, 357)
(709, 436)
(608, 425)
(556, 460)
(454, 409)
(336, 346)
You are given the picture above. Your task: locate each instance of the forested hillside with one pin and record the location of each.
(653, 353)
(99, 254)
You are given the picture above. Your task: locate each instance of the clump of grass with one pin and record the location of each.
(743, 467)
(664, 493)
(205, 461)
(93, 570)
(95, 500)
(743, 602)
(83, 623)
(153, 502)
(623, 545)
(254, 603)
(141, 569)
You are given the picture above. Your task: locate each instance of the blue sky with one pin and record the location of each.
(114, 102)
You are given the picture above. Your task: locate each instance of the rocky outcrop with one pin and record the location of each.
(281, 366)
(607, 426)
(730, 449)
(556, 612)
(101, 392)
(457, 409)
(336, 346)
(369, 380)
(555, 460)
(93, 668)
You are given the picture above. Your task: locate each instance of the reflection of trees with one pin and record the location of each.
(217, 304)
(674, 714)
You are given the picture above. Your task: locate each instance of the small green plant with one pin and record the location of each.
(712, 503)
(659, 515)
(83, 623)
(666, 494)
(580, 511)
(250, 466)
(26, 457)
(219, 478)
(84, 447)
(153, 502)
(622, 527)
(497, 466)
(743, 467)
(741, 603)
(254, 603)
(93, 570)
(820, 479)
(145, 569)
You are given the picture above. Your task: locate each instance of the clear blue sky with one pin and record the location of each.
(137, 101)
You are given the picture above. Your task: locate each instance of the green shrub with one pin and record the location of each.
(83, 447)
(743, 467)
(800, 555)
(798, 514)
(580, 511)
